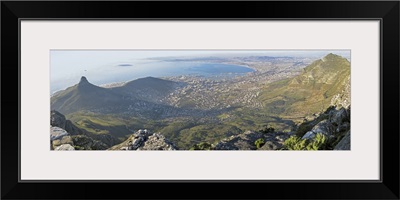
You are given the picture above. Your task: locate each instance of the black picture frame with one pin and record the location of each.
(386, 11)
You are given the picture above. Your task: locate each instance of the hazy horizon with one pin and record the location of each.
(67, 66)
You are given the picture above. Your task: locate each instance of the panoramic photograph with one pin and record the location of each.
(164, 100)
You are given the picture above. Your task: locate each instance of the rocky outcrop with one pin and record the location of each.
(83, 139)
(65, 147)
(344, 143)
(324, 127)
(57, 133)
(60, 139)
(144, 140)
(57, 119)
(157, 142)
(246, 141)
(337, 123)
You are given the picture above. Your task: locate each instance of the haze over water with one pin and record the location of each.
(101, 67)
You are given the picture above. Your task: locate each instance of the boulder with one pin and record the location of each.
(65, 147)
(67, 140)
(308, 135)
(57, 133)
(55, 143)
(59, 136)
(157, 142)
(323, 127)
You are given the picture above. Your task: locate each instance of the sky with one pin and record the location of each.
(67, 66)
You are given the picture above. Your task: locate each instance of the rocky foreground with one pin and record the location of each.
(144, 140)
(64, 135)
(333, 124)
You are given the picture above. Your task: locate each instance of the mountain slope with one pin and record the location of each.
(84, 96)
(311, 91)
(147, 89)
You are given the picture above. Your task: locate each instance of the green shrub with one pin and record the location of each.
(259, 143)
(201, 146)
(295, 143)
(319, 142)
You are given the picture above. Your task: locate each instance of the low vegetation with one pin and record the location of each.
(202, 146)
(259, 143)
(319, 142)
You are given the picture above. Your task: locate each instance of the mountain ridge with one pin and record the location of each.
(311, 91)
(87, 96)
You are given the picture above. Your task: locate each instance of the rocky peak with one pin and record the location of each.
(83, 80)
(85, 85)
(332, 56)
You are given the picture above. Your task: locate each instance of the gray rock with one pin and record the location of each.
(57, 119)
(55, 143)
(340, 116)
(65, 147)
(57, 133)
(67, 140)
(144, 140)
(136, 143)
(323, 127)
(158, 142)
(345, 142)
(308, 135)
(64, 140)
(343, 127)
